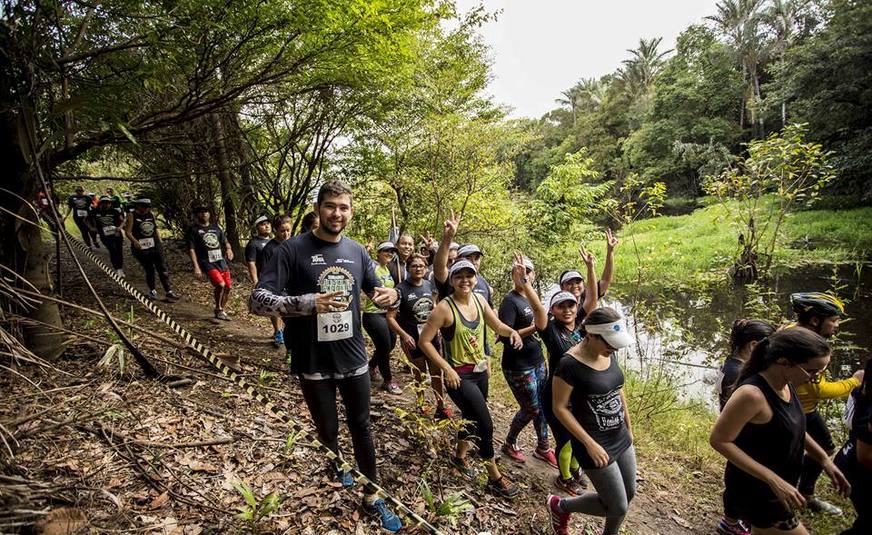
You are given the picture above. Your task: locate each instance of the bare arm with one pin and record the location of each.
(440, 317)
(252, 271)
(813, 450)
(193, 256)
(560, 401)
(540, 315)
(626, 412)
(492, 321)
(440, 262)
(128, 231)
(609, 266)
(591, 295)
(746, 404)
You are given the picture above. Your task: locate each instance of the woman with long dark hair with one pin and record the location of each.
(598, 420)
(761, 432)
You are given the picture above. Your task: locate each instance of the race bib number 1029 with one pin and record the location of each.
(333, 326)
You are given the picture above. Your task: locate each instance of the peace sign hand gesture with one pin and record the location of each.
(586, 256)
(451, 225)
(611, 240)
(519, 272)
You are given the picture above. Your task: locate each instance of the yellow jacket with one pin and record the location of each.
(810, 394)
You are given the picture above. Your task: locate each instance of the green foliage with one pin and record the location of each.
(450, 508)
(255, 510)
(826, 82)
(787, 166)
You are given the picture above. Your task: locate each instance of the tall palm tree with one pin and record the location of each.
(640, 71)
(740, 22)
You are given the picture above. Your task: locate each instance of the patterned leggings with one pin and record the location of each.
(527, 388)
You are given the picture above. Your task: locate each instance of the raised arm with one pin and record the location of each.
(519, 277)
(609, 267)
(440, 263)
(591, 295)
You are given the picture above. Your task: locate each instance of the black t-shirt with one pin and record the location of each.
(597, 405)
(558, 340)
(515, 311)
(416, 304)
(80, 205)
(108, 222)
(264, 254)
(306, 264)
(208, 244)
(254, 245)
(727, 379)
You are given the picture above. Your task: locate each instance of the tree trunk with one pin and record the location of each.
(231, 228)
(22, 247)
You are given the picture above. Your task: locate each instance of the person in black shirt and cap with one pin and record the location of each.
(140, 227)
(80, 205)
(211, 254)
(108, 220)
(315, 280)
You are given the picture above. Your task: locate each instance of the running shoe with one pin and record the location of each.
(279, 339)
(379, 508)
(732, 528)
(579, 478)
(821, 506)
(392, 388)
(462, 466)
(567, 486)
(559, 519)
(343, 476)
(514, 452)
(546, 455)
(120, 273)
(152, 294)
(221, 315)
(502, 487)
(172, 296)
(443, 413)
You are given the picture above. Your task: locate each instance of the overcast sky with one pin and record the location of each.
(542, 47)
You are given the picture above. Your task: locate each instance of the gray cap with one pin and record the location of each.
(570, 275)
(460, 265)
(469, 249)
(454, 246)
(260, 220)
(386, 246)
(528, 264)
(561, 297)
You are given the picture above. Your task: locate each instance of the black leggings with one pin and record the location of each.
(861, 492)
(376, 326)
(320, 396)
(87, 235)
(115, 246)
(816, 427)
(153, 260)
(471, 398)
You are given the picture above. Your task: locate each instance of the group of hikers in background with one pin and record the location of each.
(323, 290)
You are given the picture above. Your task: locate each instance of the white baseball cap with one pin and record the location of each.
(260, 220)
(570, 275)
(386, 246)
(561, 297)
(469, 249)
(461, 265)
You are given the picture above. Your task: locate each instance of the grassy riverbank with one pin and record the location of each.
(682, 251)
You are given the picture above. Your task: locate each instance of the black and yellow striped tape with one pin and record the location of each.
(208, 355)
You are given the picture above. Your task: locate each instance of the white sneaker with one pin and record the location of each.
(120, 273)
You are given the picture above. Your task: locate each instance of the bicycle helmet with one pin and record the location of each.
(817, 303)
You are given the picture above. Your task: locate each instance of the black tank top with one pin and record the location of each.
(143, 225)
(778, 444)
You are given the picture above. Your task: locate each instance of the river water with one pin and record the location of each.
(688, 333)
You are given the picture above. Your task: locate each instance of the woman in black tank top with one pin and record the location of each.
(761, 432)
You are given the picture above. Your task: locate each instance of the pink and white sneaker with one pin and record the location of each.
(559, 519)
(514, 452)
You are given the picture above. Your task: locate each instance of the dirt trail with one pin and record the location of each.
(113, 469)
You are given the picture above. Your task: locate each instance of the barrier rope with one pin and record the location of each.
(207, 354)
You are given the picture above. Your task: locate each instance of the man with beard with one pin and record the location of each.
(314, 280)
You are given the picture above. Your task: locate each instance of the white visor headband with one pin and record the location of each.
(615, 333)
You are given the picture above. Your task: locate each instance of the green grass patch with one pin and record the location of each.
(687, 250)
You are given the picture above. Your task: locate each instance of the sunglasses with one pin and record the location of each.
(812, 375)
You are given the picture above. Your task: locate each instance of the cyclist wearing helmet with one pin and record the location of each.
(820, 313)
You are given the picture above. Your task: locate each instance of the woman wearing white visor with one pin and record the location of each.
(589, 377)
